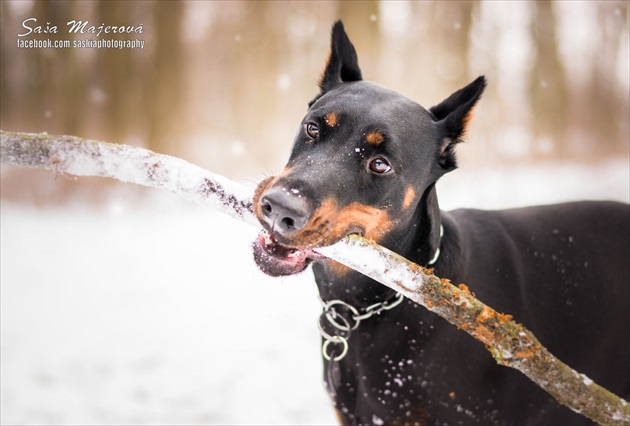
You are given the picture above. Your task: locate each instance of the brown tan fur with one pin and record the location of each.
(374, 138)
(330, 224)
(410, 195)
(331, 119)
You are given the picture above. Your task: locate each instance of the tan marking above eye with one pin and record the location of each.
(374, 138)
(331, 119)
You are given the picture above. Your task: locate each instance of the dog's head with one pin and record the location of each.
(361, 160)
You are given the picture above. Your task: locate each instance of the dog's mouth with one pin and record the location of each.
(291, 248)
(276, 259)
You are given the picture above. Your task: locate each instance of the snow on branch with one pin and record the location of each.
(85, 157)
(509, 343)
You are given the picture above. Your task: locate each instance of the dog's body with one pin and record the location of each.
(365, 161)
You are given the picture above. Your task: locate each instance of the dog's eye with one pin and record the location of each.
(380, 165)
(312, 130)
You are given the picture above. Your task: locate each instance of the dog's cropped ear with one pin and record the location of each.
(453, 115)
(342, 65)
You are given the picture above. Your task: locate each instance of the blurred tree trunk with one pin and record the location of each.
(48, 93)
(608, 105)
(256, 57)
(72, 96)
(452, 22)
(116, 67)
(38, 71)
(7, 90)
(63, 103)
(360, 20)
(548, 85)
(164, 78)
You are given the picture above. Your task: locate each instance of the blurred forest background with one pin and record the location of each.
(109, 310)
(225, 84)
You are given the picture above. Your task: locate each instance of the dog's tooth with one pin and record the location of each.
(267, 238)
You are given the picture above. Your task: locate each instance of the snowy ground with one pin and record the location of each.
(152, 312)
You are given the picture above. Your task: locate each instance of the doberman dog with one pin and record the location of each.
(366, 160)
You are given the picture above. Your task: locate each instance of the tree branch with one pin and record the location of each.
(85, 157)
(509, 343)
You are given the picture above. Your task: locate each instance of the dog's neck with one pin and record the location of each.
(417, 238)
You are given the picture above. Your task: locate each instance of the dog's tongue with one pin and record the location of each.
(276, 249)
(276, 259)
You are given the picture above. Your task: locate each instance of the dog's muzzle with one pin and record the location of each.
(284, 213)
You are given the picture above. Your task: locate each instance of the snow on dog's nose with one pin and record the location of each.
(283, 211)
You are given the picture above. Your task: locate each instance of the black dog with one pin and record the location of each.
(365, 160)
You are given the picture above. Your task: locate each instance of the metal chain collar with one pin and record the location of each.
(344, 322)
(343, 326)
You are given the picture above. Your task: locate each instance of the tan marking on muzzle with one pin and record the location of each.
(336, 224)
(329, 224)
(374, 222)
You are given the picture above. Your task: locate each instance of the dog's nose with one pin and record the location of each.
(284, 211)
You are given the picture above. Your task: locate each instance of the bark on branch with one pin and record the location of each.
(509, 343)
